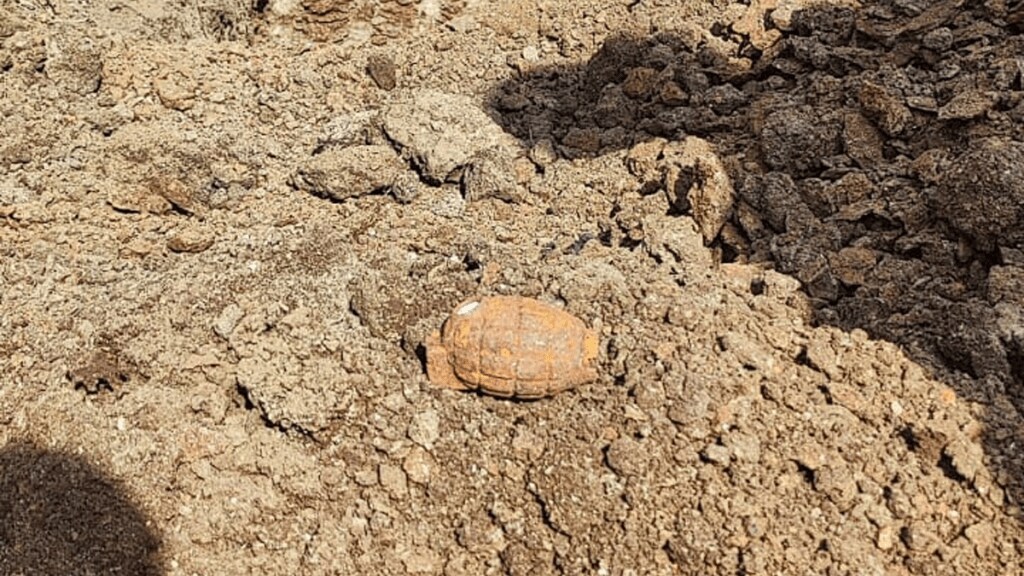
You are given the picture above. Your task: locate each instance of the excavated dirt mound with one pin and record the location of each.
(227, 228)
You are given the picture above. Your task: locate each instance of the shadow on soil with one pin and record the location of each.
(833, 132)
(59, 515)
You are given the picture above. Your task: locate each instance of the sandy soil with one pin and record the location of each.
(227, 227)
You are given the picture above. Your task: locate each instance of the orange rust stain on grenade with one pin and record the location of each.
(512, 347)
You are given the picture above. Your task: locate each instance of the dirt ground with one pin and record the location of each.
(227, 227)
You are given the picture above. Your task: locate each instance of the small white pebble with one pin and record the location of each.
(425, 428)
(886, 538)
(467, 308)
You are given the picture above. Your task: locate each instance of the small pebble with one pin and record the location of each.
(190, 240)
(939, 39)
(393, 479)
(886, 538)
(627, 457)
(425, 428)
(227, 320)
(419, 465)
(382, 70)
(717, 453)
(423, 561)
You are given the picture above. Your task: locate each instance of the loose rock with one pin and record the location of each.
(627, 457)
(382, 70)
(440, 133)
(425, 428)
(341, 174)
(191, 240)
(982, 193)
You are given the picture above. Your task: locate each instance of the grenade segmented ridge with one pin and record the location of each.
(512, 347)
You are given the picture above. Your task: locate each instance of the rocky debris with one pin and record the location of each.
(303, 398)
(381, 23)
(627, 457)
(190, 240)
(75, 63)
(179, 194)
(354, 129)
(692, 177)
(344, 173)
(886, 108)
(175, 90)
(862, 140)
(405, 187)
(797, 140)
(982, 194)
(425, 428)
(397, 305)
(383, 71)
(491, 174)
(440, 134)
(132, 199)
(697, 181)
(419, 466)
(967, 105)
(227, 320)
(301, 373)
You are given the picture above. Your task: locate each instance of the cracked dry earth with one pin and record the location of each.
(227, 228)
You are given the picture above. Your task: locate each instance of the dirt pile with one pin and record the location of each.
(227, 231)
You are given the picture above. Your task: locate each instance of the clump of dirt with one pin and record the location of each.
(982, 194)
(227, 232)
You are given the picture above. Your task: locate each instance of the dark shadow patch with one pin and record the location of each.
(631, 90)
(421, 355)
(806, 473)
(61, 515)
(105, 370)
(949, 469)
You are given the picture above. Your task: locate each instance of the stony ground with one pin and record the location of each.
(226, 229)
